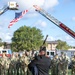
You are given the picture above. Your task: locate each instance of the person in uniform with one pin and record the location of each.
(12, 66)
(41, 64)
(61, 66)
(73, 65)
(54, 65)
(18, 64)
(25, 61)
(66, 63)
(5, 64)
(0, 66)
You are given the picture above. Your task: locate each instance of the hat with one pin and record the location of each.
(42, 48)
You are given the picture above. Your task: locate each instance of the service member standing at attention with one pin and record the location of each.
(73, 65)
(66, 62)
(61, 64)
(54, 65)
(41, 63)
(5, 64)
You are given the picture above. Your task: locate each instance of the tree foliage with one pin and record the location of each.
(62, 45)
(26, 38)
(1, 43)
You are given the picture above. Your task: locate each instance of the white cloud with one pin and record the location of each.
(66, 1)
(50, 38)
(41, 23)
(8, 37)
(3, 22)
(28, 4)
(30, 15)
(44, 3)
(69, 40)
(23, 4)
(73, 18)
(50, 3)
(5, 36)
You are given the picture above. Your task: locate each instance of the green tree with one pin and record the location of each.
(26, 38)
(5, 45)
(1, 43)
(62, 45)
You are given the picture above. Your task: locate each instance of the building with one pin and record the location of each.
(7, 45)
(51, 45)
(1, 47)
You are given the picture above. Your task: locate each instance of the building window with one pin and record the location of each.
(52, 53)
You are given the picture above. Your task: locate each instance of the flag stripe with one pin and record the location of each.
(17, 19)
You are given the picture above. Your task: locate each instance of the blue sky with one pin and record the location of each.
(63, 10)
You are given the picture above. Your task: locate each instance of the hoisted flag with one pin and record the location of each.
(18, 16)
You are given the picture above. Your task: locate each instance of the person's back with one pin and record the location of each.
(42, 63)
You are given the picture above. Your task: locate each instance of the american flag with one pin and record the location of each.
(18, 16)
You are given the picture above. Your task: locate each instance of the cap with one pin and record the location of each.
(42, 48)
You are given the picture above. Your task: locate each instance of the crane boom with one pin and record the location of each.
(4, 9)
(55, 21)
(12, 5)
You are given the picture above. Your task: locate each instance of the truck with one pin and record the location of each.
(8, 52)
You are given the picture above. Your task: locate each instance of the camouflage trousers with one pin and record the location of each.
(62, 70)
(54, 70)
(4, 71)
(73, 71)
(14, 69)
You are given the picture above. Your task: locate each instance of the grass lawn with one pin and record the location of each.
(69, 72)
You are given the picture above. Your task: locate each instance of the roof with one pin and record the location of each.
(52, 42)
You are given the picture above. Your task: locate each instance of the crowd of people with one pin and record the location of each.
(40, 64)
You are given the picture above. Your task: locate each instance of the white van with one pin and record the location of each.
(50, 53)
(8, 52)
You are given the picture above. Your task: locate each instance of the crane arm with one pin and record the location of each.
(55, 21)
(4, 9)
(12, 5)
